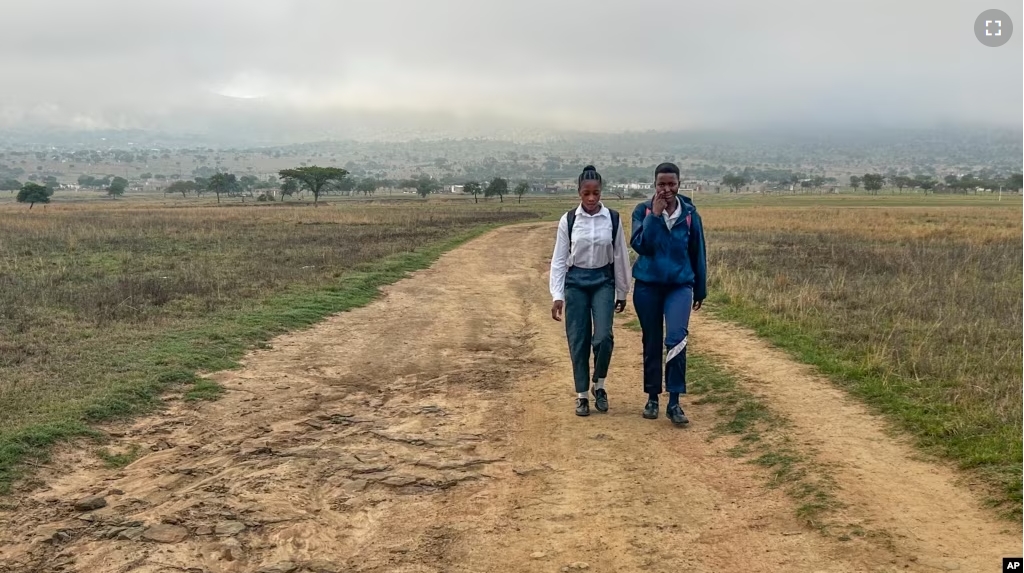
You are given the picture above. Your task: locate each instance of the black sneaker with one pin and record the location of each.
(651, 410)
(582, 407)
(601, 400)
(675, 413)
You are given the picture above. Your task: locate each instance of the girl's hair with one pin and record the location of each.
(666, 168)
(589, 174)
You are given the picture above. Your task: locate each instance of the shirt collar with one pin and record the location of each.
(679, 209)
(603, 211)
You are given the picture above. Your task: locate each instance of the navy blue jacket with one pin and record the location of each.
(670, 257)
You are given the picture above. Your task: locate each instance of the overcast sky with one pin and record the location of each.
(665, 64)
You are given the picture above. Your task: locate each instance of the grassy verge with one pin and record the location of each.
(136, 371)
(915, 310)
(941, 428)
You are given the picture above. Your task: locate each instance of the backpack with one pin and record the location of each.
(570, 219)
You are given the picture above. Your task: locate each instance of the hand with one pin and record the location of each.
(556, 310)
(620, 305)
(659, 205)
(697, 304)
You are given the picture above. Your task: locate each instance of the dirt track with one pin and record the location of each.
(433, 431)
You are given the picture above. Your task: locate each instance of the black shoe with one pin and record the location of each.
(675, 413)
(582, 407)
(601, 400)
(651, 410)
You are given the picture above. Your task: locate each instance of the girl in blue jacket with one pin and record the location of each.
(670, 277)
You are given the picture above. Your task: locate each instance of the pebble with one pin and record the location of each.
(130, 534)
(161, 445)
(204, 530)
(538, 555)
(400, 481)
(90, 503)
(116, 491)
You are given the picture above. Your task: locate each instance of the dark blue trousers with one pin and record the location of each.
(589, 303)
(664, 313)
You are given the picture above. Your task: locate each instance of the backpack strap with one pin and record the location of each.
(570, 220)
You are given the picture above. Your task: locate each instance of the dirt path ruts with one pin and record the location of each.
(883, 481)
(433, 431)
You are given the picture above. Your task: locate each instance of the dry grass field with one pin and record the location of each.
(104, 304)
(914, 308)
(912, 303)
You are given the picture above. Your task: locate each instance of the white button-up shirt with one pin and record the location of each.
(670, 219)
(592, 248)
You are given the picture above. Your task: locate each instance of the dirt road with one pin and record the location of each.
(433, 431)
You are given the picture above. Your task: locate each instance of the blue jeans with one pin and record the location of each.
(656, 306)
(589, 304)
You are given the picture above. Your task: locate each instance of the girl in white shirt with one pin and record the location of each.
(590, 277)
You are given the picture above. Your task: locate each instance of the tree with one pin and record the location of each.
(901, 181)
(51, 182)
(314, 178)
(222, 183)
(855, 182)
(248, 182)
(734, 182)
(183, 187)
(33, 193)
(499, 187)
(117, 187)
(145, 176)
(11, 185)
(1014, 182)
(423, 184)
(522, 189)
(367, 186)
(872, 182)
(345, 185)
(620, 189)
(474, 189)
(289, 187)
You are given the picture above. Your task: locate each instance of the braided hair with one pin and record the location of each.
(589, 174)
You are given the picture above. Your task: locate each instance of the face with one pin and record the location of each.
(590, 195)
(667, 184)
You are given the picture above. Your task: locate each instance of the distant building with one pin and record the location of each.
(457, 189)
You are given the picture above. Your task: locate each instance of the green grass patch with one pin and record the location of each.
(963, 435)
(137, 368)
(120, 460)
(763, 441)
(914, 309)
